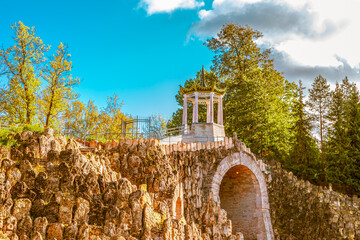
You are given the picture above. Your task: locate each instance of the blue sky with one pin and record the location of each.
(117, 48)
(143, 49)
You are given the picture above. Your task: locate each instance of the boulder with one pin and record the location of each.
(66, 210)
(82, 211)
(55, 231)
(84, 232)
(40, 226)
(21, 208)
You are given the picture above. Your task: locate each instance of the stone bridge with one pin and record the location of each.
(237, 182)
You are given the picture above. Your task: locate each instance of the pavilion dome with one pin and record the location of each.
(202, 88)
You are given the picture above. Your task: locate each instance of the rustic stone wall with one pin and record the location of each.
(54, 188)
(301, 210)
(4, 152)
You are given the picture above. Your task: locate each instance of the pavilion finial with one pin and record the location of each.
(203, 77)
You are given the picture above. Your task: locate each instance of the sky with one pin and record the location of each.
(142, 50)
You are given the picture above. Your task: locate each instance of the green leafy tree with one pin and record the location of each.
(59, 86)
(22, 63)
(236, 52)
(258, 98)
(319, 103)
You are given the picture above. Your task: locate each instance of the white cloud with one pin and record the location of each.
(312, 34)
(159, 6)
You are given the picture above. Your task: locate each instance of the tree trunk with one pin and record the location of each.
(48, 115)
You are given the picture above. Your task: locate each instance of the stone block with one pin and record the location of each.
(21, 208)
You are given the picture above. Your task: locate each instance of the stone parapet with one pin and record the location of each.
(226, 143)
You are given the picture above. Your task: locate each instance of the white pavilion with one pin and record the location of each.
(209, 131)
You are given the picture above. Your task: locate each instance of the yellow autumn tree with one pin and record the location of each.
(111, 117)
(22, 63)
(80, 120)
(59, 83)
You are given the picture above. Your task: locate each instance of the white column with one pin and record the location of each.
(211, 106)
(220, 111)
(196, 108)
(184, 119)
(207, 112)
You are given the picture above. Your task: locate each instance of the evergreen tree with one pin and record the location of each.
(303, 156)
(338, 142)
(319, 101)
(353, 122)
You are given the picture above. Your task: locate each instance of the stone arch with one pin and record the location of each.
(246, 164)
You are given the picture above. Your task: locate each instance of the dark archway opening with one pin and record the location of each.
(178, 208)
(240, 197)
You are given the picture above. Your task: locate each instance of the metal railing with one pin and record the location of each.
(134, 128)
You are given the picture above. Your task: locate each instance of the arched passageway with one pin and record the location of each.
(240, 197)
(239, 185)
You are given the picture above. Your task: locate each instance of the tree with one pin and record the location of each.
(80, 120)
(22, 63)
(157, 126)
(59, 85)
(236, 52)
(3, 70)
(258, 98)
(87, 122)
(73, 119)
(110, 118)
(319, 102)
(2, 100)
(304, 151)
(338, 142)
(353, 122)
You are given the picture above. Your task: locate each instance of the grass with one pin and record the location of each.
(7, 134)
(7, 138)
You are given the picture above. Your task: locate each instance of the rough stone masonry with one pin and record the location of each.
(54, 188)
